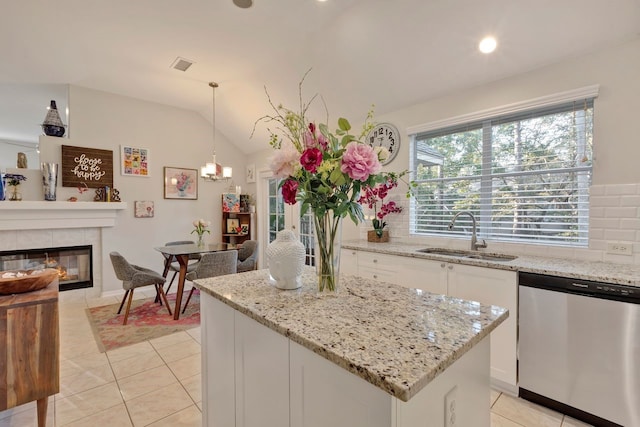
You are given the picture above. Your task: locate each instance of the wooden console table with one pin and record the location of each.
(29, 349)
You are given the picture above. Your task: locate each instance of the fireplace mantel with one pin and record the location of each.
(32, 215)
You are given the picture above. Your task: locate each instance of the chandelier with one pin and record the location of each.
(213, 171)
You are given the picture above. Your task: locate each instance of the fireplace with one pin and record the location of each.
(74, 263)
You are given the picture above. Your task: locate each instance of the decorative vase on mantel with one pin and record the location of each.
(14, 194)
(328, 230)
(52, 125)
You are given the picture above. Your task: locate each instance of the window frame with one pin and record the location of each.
(484, 121)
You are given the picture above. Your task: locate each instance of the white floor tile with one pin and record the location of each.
(526, 413)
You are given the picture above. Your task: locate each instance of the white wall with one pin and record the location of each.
(175, 137)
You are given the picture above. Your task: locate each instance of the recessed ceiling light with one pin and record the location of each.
(488, 44)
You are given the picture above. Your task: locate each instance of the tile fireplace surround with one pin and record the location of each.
(34, 225)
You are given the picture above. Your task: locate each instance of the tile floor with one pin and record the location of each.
(157, 382)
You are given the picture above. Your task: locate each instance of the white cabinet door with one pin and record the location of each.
(430, 276)
(492, 287)
(323, 394)
(262, 375)
(349, 262)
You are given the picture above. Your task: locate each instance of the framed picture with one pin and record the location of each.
(251, 173)
(88, 167)
(230, 202)
(143, 209)
(232, 225)
(180, 183)
(134, 161)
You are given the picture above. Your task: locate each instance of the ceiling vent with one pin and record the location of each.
(181, 64)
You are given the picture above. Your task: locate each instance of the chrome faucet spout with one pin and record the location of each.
(474, 240)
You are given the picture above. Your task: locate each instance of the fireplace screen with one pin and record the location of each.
(74, 264)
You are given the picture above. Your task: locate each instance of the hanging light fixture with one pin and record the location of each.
(213, 171)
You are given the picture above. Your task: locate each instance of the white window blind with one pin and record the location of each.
(525, 176)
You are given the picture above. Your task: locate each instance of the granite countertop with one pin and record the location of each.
(624, 274)
(397, 339)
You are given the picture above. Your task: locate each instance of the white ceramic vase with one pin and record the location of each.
(285, 256)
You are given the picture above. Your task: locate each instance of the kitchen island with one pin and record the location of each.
(376, 354)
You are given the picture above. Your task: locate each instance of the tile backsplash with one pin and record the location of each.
(614, 216)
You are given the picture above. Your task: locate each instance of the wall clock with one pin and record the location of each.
(385, 135)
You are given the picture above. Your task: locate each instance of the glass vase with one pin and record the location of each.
(328, 230)
(15, 195)
(200, 242)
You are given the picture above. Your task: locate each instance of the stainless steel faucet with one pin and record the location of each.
(474, 240)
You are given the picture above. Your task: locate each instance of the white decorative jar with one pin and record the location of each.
(285, 256)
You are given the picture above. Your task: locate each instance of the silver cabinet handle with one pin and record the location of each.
(451, 267)
(375, 260)
(442, 265)
(375, 276)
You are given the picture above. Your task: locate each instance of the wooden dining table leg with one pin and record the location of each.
(42, 411)
(183, 260)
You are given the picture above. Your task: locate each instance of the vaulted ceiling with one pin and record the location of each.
(391, 53)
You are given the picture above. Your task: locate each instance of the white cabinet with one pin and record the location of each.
(254, 377)
(485, 285)
(245, 370)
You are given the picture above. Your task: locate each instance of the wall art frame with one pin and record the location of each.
(143, 209)
(134, 161)
(251, 173)
(180, 183)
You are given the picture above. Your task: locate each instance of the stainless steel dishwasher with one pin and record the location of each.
(579, 348)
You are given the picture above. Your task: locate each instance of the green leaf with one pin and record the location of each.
(343, 124)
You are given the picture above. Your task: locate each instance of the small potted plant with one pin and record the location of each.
(370, 197)
(13, 181)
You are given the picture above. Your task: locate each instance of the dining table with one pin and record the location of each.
(182, 254)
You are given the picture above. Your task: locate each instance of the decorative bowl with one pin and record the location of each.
(29, 280)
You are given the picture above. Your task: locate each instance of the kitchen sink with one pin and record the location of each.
(467, 254)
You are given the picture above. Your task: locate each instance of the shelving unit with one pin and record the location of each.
(232, 218)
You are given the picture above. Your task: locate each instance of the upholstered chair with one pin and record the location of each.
(213, 264)
(133, 277)
(248, 256)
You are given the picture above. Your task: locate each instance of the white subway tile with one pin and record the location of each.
(619, 235)
(621, 212)
(606, 223)
(630, 201)
(605, 201)
(630, 223)
(596, 212)
(618, 259)
(597, 190)
(619, 189)
(596, 233)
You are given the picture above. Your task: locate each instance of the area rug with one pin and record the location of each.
(147, 320)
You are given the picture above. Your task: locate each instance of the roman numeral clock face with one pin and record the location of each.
(385, 135)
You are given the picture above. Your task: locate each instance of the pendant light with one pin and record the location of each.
(213, 171)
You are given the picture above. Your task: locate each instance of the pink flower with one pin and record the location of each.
(284, 162)
(311, 159)
(311, 140)
(289, 191)
(359, 161)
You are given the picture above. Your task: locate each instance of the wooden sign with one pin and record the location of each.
(88, 166)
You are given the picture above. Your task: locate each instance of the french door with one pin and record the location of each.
(281, 216)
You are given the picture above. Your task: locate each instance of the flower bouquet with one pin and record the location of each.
(201, 227)
(324, 171)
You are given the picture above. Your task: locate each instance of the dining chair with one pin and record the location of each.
(175, 266)
(213, 264)
(248, 256)
(133, 277)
